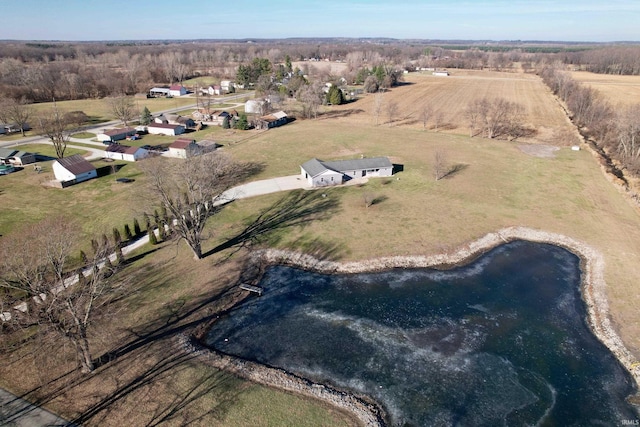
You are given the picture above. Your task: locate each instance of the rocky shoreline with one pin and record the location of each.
(369, 413)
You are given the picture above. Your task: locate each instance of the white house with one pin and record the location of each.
(177, 90)
(255, 106)
(319, 173)
(165, 129)
(226, 86)
(441, 73)
(125, 152)
(183, 148)
(73, 169)
(15, 157)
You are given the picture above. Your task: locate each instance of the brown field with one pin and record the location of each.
(451, 95)
(619, 90)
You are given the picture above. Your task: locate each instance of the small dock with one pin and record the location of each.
(251, 288)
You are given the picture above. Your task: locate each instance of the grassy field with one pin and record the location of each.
(497, 185)
(618, 90)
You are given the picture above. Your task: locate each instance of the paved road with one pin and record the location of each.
(20, 413)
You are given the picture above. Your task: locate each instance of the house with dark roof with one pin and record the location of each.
(125, 152)
(319, 173)
(115, 134)
(73, 169)
(16, 157)
(272, 120)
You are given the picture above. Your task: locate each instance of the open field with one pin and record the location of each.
(450, 96)
(618, 90)
(497, 185)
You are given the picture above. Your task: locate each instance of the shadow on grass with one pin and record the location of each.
(454, 170)
(298, 208)
(177, 400)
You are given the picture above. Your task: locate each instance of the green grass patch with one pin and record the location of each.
(84, 135)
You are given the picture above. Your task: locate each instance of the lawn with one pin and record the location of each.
(497, 185)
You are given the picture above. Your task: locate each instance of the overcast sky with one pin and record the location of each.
(560, 20)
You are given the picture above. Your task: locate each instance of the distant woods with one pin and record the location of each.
(41, 72)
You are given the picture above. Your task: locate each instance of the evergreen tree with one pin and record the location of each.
(127, 232)
(117, 238)
(147, 221)
(136, 227)
(146, 116)
(84, 258)
(335, 96)
(225, 123)
(119, 255)
(242, 123)
(152, 236)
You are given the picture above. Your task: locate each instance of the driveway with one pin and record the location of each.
(20, 413)
(267, 186)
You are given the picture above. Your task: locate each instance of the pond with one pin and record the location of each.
(500, 341)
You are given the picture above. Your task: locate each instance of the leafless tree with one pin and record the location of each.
(495, 118)
(311, 98)
(192, 191)
(378, 104)
(437, 119)
(440, 166)
(16, 112)
(392, 112)
(628, 131)
(34, 270)
(123, 108)
(425, 115)
(53, 125)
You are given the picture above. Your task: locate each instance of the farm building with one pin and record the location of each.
(441, 73)
(15, 157)
(177, 90)
(183, 148)
(165, 129)
(115, 134)
(125, 152)
(158, 91)
(226, 86)
(255, 106)
(269, 121)
(319, 173)
(74, 169)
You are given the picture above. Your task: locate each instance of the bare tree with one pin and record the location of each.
(192, 191)
(437, 119)
(53, 125)
(378, 103)
(311, 98)
(425, 115)
(439, 164)
(123, 108)
(33, 268)
(392, 112)
(16, 112)
(628, 131)
(495, 118)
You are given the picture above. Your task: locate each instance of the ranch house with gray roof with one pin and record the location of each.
(319, 173)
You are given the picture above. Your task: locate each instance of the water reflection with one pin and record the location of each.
(502, 341)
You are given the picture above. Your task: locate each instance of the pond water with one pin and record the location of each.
(501, 341)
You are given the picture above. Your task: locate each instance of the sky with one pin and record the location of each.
(545, 20)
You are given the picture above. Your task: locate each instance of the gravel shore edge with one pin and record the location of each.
(593, 290)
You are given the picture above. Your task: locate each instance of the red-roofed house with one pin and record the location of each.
(73, 169)
(177, 90)
(124, 152)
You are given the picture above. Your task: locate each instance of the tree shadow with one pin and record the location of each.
(297, 208)
(181, 399)
(339, 113)
(454, 170)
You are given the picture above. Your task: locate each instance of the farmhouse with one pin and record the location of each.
(183, 148)
(320, 173)
(165, 129)
(269, 121)
(177, 90)
(115, 134)
(72, 170)
(10, 156)
(125, 152)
